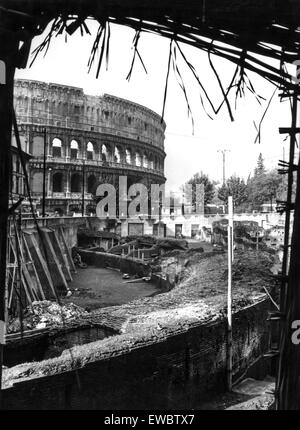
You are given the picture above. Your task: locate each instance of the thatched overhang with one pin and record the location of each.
(237, 30)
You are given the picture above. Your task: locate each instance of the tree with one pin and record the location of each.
(260, 166)
(264, 188)
(235, 187)
(209, 187)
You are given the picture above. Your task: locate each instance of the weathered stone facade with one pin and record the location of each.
(97, 138)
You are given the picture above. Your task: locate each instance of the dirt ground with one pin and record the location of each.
(95, 288)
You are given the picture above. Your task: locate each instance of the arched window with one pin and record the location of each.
(56, 147)
(90, 151)
(145, 160)
(104, 153)
(91, 184)
(59, 211)
(138, 159)
(74, 208)
(128, 156)
(151, 164)
(74, 149)
(76, 181)
(57, 182)
(117, 156)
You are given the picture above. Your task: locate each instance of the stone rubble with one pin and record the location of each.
(44, 314)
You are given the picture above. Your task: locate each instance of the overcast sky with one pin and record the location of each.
(187, 153)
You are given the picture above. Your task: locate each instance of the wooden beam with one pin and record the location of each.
(289, 365)
(40, 265)
(8, 50)
(289, 130)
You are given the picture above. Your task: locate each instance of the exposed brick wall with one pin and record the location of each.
(174, 373)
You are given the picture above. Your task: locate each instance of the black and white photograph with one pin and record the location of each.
(150, 208)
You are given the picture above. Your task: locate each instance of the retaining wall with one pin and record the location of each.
(174, 373)
(126, 265)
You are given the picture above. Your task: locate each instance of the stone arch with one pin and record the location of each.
(128, 156)
(106, 154)
(145, 160)
(56, 147)
(90, 151)
(59, 211)
(74, 149)
(117, 155)
(74, 208)
(91, 183)
(138, 159)
(76, 183)
(57, 182)
(151, 162)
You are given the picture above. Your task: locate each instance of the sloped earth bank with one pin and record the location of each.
(198, 297)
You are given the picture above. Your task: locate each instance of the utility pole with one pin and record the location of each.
(223, 151)
(229, 294)
(44, 177)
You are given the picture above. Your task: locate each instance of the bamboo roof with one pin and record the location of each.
(249, 33)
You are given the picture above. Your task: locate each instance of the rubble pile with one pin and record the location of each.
(204, 275)
(252, 264)
(46, 314)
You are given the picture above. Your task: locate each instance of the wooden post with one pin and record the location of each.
(8, 52)
(230, 222)
(229, 295)
(288, 376)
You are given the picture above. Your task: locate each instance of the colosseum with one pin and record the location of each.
(87, 140)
